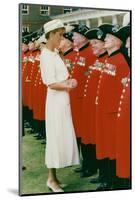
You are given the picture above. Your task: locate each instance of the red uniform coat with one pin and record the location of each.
(89, 108)
(41, 100)
(27, 77)
(123, 134)
(69, 59)
(33, 73)
(109, 89)
(39, 97)
(34, 94)
(25, 57)
(84, 58)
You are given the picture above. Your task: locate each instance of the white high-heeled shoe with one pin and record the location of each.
(54, 189)
(63, 185)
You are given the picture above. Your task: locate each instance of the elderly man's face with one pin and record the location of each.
(128, 45)
(78, 39)
(111, 41)
(64, 44)
(97, 46)
(24, 47)
(31, 45)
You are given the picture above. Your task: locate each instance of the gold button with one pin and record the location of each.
(87, 81)
(96, 100)
(121, 97)
(118, 115)
(126, 84)
(89, 76)
(119, 109)
(123, 91)
(86, 85)
(120, 102)
(84, 95)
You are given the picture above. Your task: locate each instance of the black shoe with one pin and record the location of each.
(87, 173)
(96, 180)
(23, 168)
(37, 135)
(78, 169)
(103, 186)
(44, 142)
(40, 138)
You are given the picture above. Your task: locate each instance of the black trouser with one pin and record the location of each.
(89, 161)
(79, 144)
(103, 166)
(24, 116)
(107, 171)
(122, 183)
(39, 127)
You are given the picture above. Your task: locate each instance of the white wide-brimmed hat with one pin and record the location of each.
(52, 25)
(55, 24)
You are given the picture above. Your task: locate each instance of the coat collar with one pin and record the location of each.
(83, 47)
(68, 51)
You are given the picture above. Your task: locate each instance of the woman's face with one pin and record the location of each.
(56, 37)
(97, 46)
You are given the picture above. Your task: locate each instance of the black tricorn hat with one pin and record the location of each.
(124, 33)
(95, 33)
(121, 33)
(68, 36)
(25, 40)
(109, 28)
(80, 28)
(34, 36)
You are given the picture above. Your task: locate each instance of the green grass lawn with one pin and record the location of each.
(33, 179)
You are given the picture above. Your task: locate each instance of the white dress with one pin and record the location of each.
(61, 146)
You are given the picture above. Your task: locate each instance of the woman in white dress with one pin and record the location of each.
(61, 146)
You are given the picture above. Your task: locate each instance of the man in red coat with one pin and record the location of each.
(25, 53)
(123, 129)
(66, 47)
(38, 94)
(27, 78)
(83, 59)
(89, 108)
(109, 89)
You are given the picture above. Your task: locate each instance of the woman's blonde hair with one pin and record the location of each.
(54, 31)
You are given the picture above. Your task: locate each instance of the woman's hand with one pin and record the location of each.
(64, 85)
(71, 84)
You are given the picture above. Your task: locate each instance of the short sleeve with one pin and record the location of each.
(47, 67)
